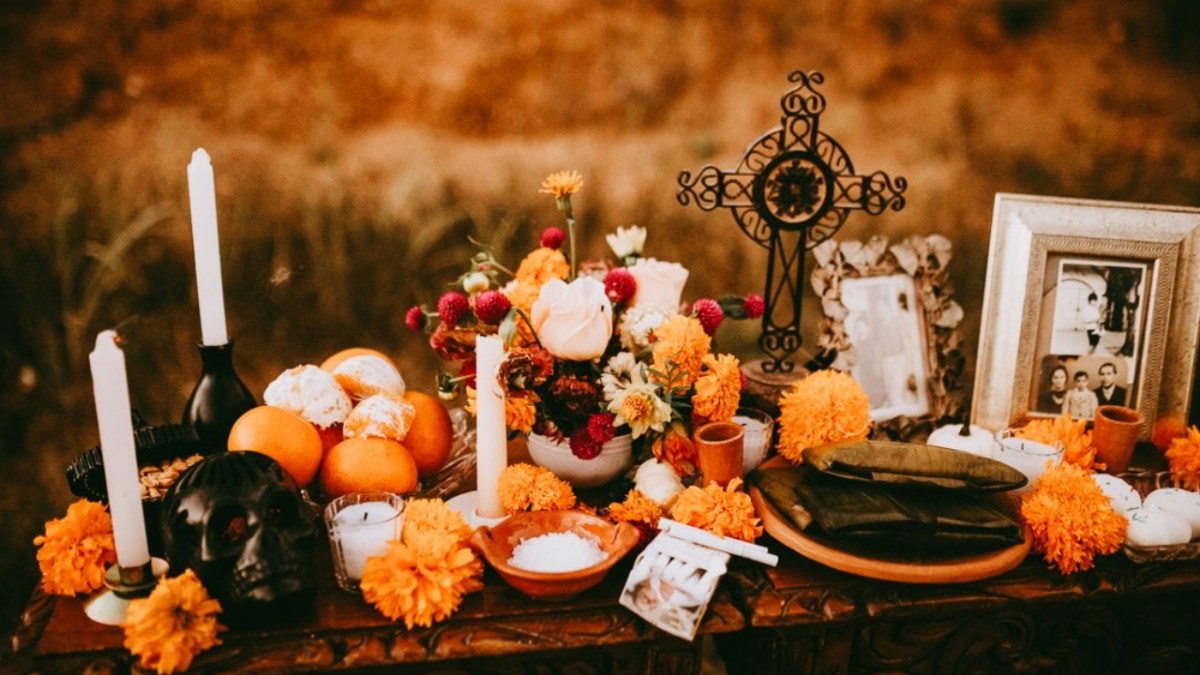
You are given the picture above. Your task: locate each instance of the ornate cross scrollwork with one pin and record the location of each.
(793, 189)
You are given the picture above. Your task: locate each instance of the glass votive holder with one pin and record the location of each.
(360, 525)
(759, 429)
(1029, 457)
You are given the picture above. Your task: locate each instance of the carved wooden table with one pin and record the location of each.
(806, 618)
(495, 630)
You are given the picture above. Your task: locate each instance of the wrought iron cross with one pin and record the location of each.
(792, 190)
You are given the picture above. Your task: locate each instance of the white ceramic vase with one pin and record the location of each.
(615, 457)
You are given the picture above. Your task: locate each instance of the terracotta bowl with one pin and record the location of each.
(496, 545)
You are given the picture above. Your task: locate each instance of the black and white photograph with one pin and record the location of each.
(1077, 385)
(1098, 308)
(885, 326)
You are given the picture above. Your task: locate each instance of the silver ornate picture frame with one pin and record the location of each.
(1103, 294)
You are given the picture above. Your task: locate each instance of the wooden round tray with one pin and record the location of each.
(951, 569)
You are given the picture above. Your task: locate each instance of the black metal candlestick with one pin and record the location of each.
(220, 397)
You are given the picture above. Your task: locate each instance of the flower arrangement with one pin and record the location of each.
(76, 549)
(1073, 434)
(594, 348)
(175, 623)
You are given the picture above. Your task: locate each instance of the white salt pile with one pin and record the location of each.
(556, 552)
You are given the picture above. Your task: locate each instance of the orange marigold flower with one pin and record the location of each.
(520, 412)
(76, 549)
(562, 184)
(540, 266)
(725, 512)
(1165, 430)
(637, 508)
(175, 623)
(422, 578)
(1073, 434)
(525, 487)
(718, 389)
(1071, 519)
(675, 447)
(826, 407)
(680, 345)
(434, 515)
(1183, 456)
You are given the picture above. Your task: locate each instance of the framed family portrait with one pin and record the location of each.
(1088, 303)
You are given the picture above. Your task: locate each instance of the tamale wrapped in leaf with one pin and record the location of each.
(913, 464)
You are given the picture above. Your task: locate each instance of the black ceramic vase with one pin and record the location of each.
(220, 397)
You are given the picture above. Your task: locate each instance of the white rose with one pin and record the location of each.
(659, 284)
(627, 242)
(573, 321)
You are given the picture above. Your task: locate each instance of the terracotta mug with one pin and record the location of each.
(719, 448)
(1114, 434)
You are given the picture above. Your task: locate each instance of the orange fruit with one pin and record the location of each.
(358, 464)
(334, 361)
(282, 435)
(431, 434)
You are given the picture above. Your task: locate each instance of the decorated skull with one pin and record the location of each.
(237, 520)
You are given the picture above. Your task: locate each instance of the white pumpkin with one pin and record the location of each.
(1183, 503)
(979, 441)
(658, 481)
(1121, 495)
(1151, 527)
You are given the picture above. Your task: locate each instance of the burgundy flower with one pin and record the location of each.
(600, 427)
(414, 318)
(755, 306)
(553, 237)
(709, 313)
(453, 307)
(576, 395)
(453, 344)
(583, 445)
(620, 285)
(525, 369)
(491, 307)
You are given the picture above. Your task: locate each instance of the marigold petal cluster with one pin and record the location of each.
(826, 407)
(1183, 456)
(422, 578)
(680, 345)
(725, 512)
(542, 265)
(676, 448)
(175, 623)
(434, 515)
(1165, 430)
(76, 549)
(1071, 519)
(637, 508)
(1073, 434)
(524, 487)
(718, 389)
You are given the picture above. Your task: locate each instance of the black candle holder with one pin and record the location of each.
(220, 397)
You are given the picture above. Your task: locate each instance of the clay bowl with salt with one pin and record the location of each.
(585, 548)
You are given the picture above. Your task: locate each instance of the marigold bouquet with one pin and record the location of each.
(595, 348)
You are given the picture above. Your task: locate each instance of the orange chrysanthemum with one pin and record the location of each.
(76, 549)
(1071, 519)
(422, 578)
(1183, 456)
(725, 512)
(1165, 430)
(175, 623)
(1073, 434)
(637, 508)
(540, 266)
(675, 447)
(718, 389)
(562, 184)
(520, 411)
(433, 515)
(826, 407)
(524, 487)
(680, 345)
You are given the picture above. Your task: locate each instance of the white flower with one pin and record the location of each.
(659, 284)
(627, 241)
(573, 321)
(639, 406)
(475, 282)
(636, 325)
(617, 373)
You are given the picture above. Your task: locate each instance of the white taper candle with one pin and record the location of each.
(206, 245)
(491, 440)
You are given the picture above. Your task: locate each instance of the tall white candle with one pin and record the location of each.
(114, 416)
(491, 438)
(206, 245)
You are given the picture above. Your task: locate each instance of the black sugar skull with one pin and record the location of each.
(237, 519)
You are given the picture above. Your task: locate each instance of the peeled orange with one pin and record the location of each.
(334, 361)
(431, 434)
(282, 435)
(358, 464)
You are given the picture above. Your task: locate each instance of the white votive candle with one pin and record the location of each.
(207, 248)
(115, 419)
(491, 437)
(363, 531)
(758, 428)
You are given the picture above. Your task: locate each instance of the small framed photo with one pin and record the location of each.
(1088, 303)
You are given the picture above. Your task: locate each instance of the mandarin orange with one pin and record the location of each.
(431, 434)
(336, 360)
(358, 464)
(282, 435)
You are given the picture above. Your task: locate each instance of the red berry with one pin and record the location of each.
(453, 308)
(552, 237)
(414, 318)
(754, 305)
(709, 313)
(620, 285)
(491, 307)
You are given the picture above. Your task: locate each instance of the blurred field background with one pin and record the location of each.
(358, 144)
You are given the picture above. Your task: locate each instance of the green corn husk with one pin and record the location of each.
(913, 464)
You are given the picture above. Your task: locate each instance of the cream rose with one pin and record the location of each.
(573, 321)
(659, 284)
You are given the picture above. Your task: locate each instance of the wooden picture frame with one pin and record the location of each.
(1054, 261)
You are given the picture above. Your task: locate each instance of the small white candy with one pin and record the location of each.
(1150, 527)
(1120, 494)
(1182, 503)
